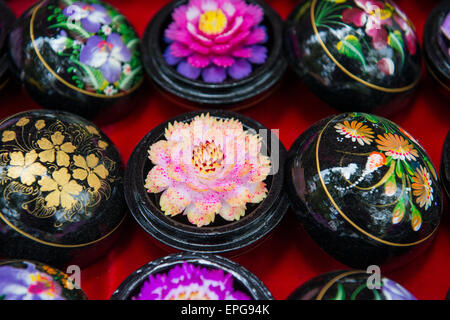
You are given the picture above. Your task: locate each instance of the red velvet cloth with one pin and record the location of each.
(289, 257)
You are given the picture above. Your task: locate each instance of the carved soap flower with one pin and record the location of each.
(207, 167)
(190, 282)
(215, 39)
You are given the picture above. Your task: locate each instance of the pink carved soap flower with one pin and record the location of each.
(190, 282)
(373, 15)
(207, 167)
(215, 39)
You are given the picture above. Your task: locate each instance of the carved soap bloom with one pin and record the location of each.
(422, 187)
(397, 147)
(28, 284)
(206, 167)
(190, 282)
(215, 39)
(25, 167)
(107, 55)
(57, 147)
(91, 16)
(62, 189)
(357, 131)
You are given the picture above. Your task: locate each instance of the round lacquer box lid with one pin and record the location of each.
(445, 167)
(355, 55)
(7, 18)
(351, 285)
(436, 45)
(81, 57)
(364, 189)
(61, 188)
(216, 54)
(192, 276)
(208, 182)
(29, 280)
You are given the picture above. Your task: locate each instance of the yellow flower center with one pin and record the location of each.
(381, 14)
(213, 22)
(207, 158)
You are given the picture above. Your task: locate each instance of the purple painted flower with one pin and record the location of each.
(215, 39)
(190, 282)
(91, 16)
(28, 284)
(106, 55)
(393, 291)
(445, 28)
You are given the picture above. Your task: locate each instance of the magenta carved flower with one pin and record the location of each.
(107, 55)
(190, 282)
(215, 39)
(373, 15)
(207, 167)
(91, 16)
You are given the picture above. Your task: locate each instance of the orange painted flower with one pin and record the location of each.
(356, 131)
(396, 147)
(422, 187)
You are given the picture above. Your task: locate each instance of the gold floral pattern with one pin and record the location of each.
(356, 131)
(56, 146)
(422, 187)
(25, 167)
(90, 169)
(62, 189)
(63, 170)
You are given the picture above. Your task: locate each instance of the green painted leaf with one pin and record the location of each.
(390, 187)
(351, 47)
(73, 27)
(395, 40)
(399, 169)
(127, 81)
(416, 218)
(408, 168)
(95, 76)
(340, 294)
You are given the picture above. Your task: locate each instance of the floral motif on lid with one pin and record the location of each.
(29, 284)
(98, 43)
(206, 167)
(216, 40)
(190, 282)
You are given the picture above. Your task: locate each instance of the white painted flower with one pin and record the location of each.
(126, 69)
(110, 90)
(107, 30)
(59, 43)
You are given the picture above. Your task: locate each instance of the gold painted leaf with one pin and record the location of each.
(102, 144)
(40, 124)
(92, 130)
(8, 136)
(22, 122)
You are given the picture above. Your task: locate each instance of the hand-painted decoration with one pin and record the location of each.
(206, 167)
(216, 40)
(190, 282)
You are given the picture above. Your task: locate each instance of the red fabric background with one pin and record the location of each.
(289, 257)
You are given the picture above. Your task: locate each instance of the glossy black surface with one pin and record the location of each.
(7, 18)
(33, 61)
(61, 188)
(47, 283)
(445, 167)
(244, 280)
(437, 59)
(350, 285)
(195, 94)
(359, 213)
(347, 83)
(220, 236)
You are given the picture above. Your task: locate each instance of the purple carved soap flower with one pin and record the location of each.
(28, 284)
(215, 39)
(190, 282)
(393, 291)
(91, 16)
(107, 55)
